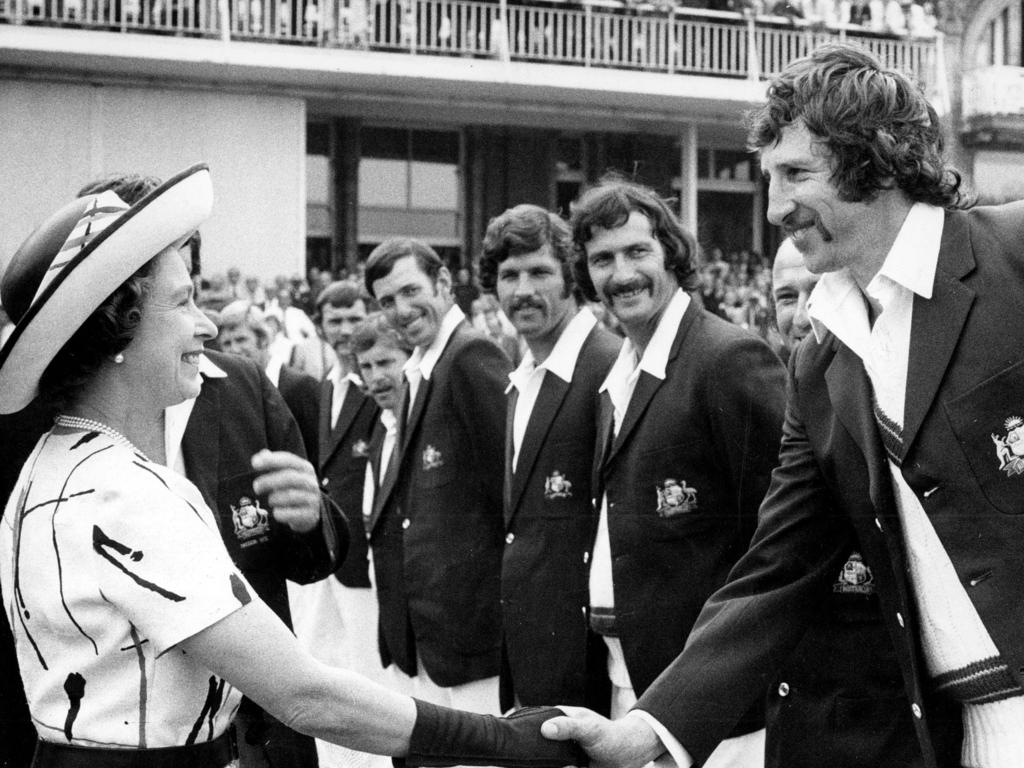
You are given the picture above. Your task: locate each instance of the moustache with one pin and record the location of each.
(800, 219)
(526, 302)
(636, 284)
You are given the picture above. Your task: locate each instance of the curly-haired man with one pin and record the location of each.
(900, 401)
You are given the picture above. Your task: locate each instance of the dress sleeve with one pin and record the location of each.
(160, 560)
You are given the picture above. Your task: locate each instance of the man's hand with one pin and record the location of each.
(625, 743)
(291, 488)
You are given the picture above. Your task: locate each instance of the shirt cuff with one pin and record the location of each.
(676, 755)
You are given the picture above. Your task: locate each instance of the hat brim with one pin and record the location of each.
(165, 216)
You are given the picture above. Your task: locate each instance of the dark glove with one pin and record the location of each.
(443, 737)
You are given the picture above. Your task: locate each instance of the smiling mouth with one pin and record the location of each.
(632, 293)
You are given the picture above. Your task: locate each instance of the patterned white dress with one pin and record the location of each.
(107, 562)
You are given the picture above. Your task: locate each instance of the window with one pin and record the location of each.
(409, 185)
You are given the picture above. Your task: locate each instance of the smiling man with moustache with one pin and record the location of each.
(549, 654)
(688, 433)
(438, 564)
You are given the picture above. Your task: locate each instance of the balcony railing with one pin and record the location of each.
(993, 91)
(638, 37)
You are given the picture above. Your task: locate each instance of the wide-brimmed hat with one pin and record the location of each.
(75, 259)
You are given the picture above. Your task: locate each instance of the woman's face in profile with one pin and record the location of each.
(162, 360)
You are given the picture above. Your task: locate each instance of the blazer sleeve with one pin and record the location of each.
(315, 554)
(749, 627)
(747, 405)
(478, 380)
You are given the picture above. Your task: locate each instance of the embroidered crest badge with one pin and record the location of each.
(675, 497)
(432, 458)
(856, 578)
(557, 487)
(249, 518)
(360, 449)
(1010, 449)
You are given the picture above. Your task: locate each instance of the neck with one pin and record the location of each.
(641, 333)
(890, 211)
(541, 346)
(142, 428)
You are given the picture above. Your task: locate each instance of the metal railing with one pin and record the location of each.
(637, 37)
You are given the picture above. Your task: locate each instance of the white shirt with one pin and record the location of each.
(390, 422)
(176, 419)
(339, 390)
(421, 364)
(528, 377)
(953, 635)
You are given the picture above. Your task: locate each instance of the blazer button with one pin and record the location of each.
(510, 537)
(586, 558)
(325, 482)
(783, 689)
(916, 710)
(899, 618)
(406, 523)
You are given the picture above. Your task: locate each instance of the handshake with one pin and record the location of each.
(532, 737)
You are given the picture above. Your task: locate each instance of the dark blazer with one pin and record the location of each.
(437, 537)
(712, 425)
(832, 488)
(839, 699)
(343, 453)
(233, 418)
(549, 523)
(301, 392)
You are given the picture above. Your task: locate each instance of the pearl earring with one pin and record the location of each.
(119, 358)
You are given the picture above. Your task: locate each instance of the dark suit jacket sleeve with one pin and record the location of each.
(316, 554)
(747, 405)
(478, 380)
(750, 626)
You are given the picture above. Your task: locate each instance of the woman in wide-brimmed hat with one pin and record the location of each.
(134, 630)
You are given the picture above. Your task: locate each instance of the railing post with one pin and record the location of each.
(753, 65)
(589, 26)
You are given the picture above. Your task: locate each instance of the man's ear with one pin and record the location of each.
(444, 279)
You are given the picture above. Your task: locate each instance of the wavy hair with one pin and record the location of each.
(107, 331)
(524, 229)
(608, 205)
(877, 124)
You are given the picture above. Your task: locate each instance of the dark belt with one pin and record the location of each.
(210, 754)
(602, 622)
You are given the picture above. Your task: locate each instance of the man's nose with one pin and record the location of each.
(779, 203)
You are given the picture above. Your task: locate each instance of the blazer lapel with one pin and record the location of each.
(647, 384)
(349, 409)
(376, 444)
(513, 398)
(936, 327)
(417, 411)
(324, 429)
(200, 445)
(850, 395)
(552, 392)
(603, 439)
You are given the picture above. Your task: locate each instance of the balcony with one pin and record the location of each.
(665, 40)
(993, 107)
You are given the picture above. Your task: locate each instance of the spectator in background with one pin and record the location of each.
(216, 294)
(241, 330)
(296, 323)
(860, 13)
(253, 292)
(895, 18)
(234, 284)
(465, 291)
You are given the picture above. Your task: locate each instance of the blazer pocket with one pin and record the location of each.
(674, 490)
(435, 464)
(988, 422)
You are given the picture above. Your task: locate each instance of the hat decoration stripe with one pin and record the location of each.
(104, 210)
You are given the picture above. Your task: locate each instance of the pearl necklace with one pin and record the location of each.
(91, 425)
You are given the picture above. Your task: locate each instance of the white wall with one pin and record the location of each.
(999, 176)
(54, 137)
